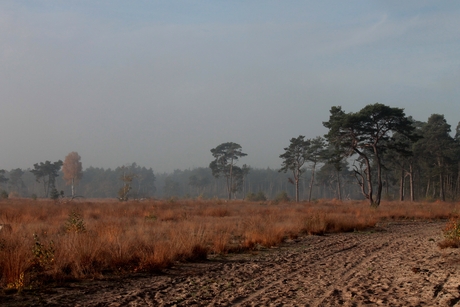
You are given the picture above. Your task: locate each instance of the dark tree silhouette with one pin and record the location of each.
(226, 156)
(438, 150)
(367, 133)
(47, 172)
(294, 158)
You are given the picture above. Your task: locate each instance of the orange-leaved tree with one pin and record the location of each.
(72, 170)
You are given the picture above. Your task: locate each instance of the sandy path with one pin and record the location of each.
(398, 265)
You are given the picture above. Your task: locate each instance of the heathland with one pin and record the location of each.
(46, 244)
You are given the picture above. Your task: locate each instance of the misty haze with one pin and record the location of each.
(229, 153)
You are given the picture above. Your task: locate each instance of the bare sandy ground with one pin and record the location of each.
(397, 264)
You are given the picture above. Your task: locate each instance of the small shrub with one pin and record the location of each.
(54, 194)
(451, 234)
(172, 199)
(260, 196)
(452, 230)
(123, 193)
(151, 217)
(282, 197)
(201, 197)
(387, 197)
(17, 284)
(75, 223)
(4, 194)
(43, 255)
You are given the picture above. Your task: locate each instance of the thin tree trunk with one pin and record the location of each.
(369, 182)
(401, 186)
(304, 189)
(297, 190)
(338, 186)
(73, 187)
(428, 187)
(312, 180)
(441, 181)
(231, 181)
(442, 194)
(458, 181)
(379, 177)
(46, 190)
(387, 186)
(411, 183)
(229, 194)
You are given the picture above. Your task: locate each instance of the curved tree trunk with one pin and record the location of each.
(379, 178)
(370, 189)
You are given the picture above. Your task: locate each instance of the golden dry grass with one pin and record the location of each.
(123, 237)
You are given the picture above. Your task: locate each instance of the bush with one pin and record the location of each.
(260, 196)
(75, 223)
(451, 234)
(4, 194)
(282, 197)
(43, 254)
(54, 194)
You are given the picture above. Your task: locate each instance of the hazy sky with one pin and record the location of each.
(160, 83)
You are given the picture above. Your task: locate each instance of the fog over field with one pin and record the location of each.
(160, 83)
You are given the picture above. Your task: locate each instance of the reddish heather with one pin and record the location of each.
(46, 240)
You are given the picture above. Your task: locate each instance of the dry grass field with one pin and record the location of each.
(49, 242)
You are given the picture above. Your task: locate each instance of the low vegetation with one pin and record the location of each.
(451, 234)
(47, 241)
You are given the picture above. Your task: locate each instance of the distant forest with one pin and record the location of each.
(198, 182)
(422, 164)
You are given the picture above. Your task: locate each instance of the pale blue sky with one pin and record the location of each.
(160, 83)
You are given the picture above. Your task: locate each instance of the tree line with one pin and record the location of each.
(374, 154)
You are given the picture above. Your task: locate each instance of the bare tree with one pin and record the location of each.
(127, 177)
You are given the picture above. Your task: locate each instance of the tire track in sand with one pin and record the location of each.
(323, 259)
(365, 273)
